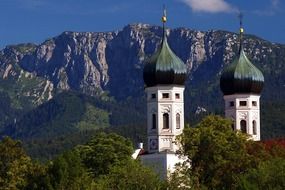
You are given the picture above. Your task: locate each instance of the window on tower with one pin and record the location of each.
(153, 96)
(254, 103)
(242, 103)
(232, 103)
(165, 121)
(243, 126)
(177, 121)
(153, 121)
(165, 95)
(254, 127)
(177, 96)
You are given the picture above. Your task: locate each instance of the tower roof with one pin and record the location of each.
(241, 76)
(164, 67)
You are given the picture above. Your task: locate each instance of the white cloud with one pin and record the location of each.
(211, 6)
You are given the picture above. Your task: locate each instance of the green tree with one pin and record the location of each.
(18, 171)
(269, 175)
(68, 172)
(105, 151)
(216, 153)
(38, 179)
(130, 175)
(15, 165)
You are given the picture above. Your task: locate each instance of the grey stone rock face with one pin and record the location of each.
(94, 62)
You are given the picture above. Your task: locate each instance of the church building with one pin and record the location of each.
(241, 83)
(164, 77)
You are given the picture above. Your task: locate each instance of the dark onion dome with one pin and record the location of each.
(241, 77)
(164, 67)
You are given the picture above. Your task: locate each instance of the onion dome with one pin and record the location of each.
(164, 67)
(241, 77)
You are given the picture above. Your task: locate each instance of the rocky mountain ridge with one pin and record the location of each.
(91, 62)
(111, 63)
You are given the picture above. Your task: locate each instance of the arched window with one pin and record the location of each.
(153, 121)
(254, 127)
(243, 126)
(165, 121)
(177, 121)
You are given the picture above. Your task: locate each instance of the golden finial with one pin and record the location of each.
(164, 19)
(240, 31)
(240, 23)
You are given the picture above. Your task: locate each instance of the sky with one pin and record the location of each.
(34, 21)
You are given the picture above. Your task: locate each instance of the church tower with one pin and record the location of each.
(164, 76)
(241, 83)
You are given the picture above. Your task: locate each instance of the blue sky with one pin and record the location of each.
(36, 20)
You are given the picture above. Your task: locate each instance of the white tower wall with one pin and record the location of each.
(244, 110)
(165, 119)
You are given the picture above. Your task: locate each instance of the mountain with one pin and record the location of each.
(109, 65)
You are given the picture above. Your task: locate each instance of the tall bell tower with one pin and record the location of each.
(165, 116)
(242, 83)
(164, 76)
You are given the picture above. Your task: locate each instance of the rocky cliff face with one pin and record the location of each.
(72, 61)
(113, 61)
(25, 88)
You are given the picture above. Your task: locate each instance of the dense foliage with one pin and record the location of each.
(221, 158)
(16, 167)
(269, 174)
(103, 163)
(104, 151)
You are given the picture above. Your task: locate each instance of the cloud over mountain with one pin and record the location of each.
(211, 6)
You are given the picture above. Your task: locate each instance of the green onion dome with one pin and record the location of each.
(241, 77)
(164, 67)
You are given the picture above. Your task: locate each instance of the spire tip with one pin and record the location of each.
(241, 22)
(240, 30)
(164, 19)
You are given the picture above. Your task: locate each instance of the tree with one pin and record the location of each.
(18, 171)
(269, 175)
(131, 175)
(217, 154)
(105, 151)
(15, 165)
(275, 147)
(37, 178)
(68, 172)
